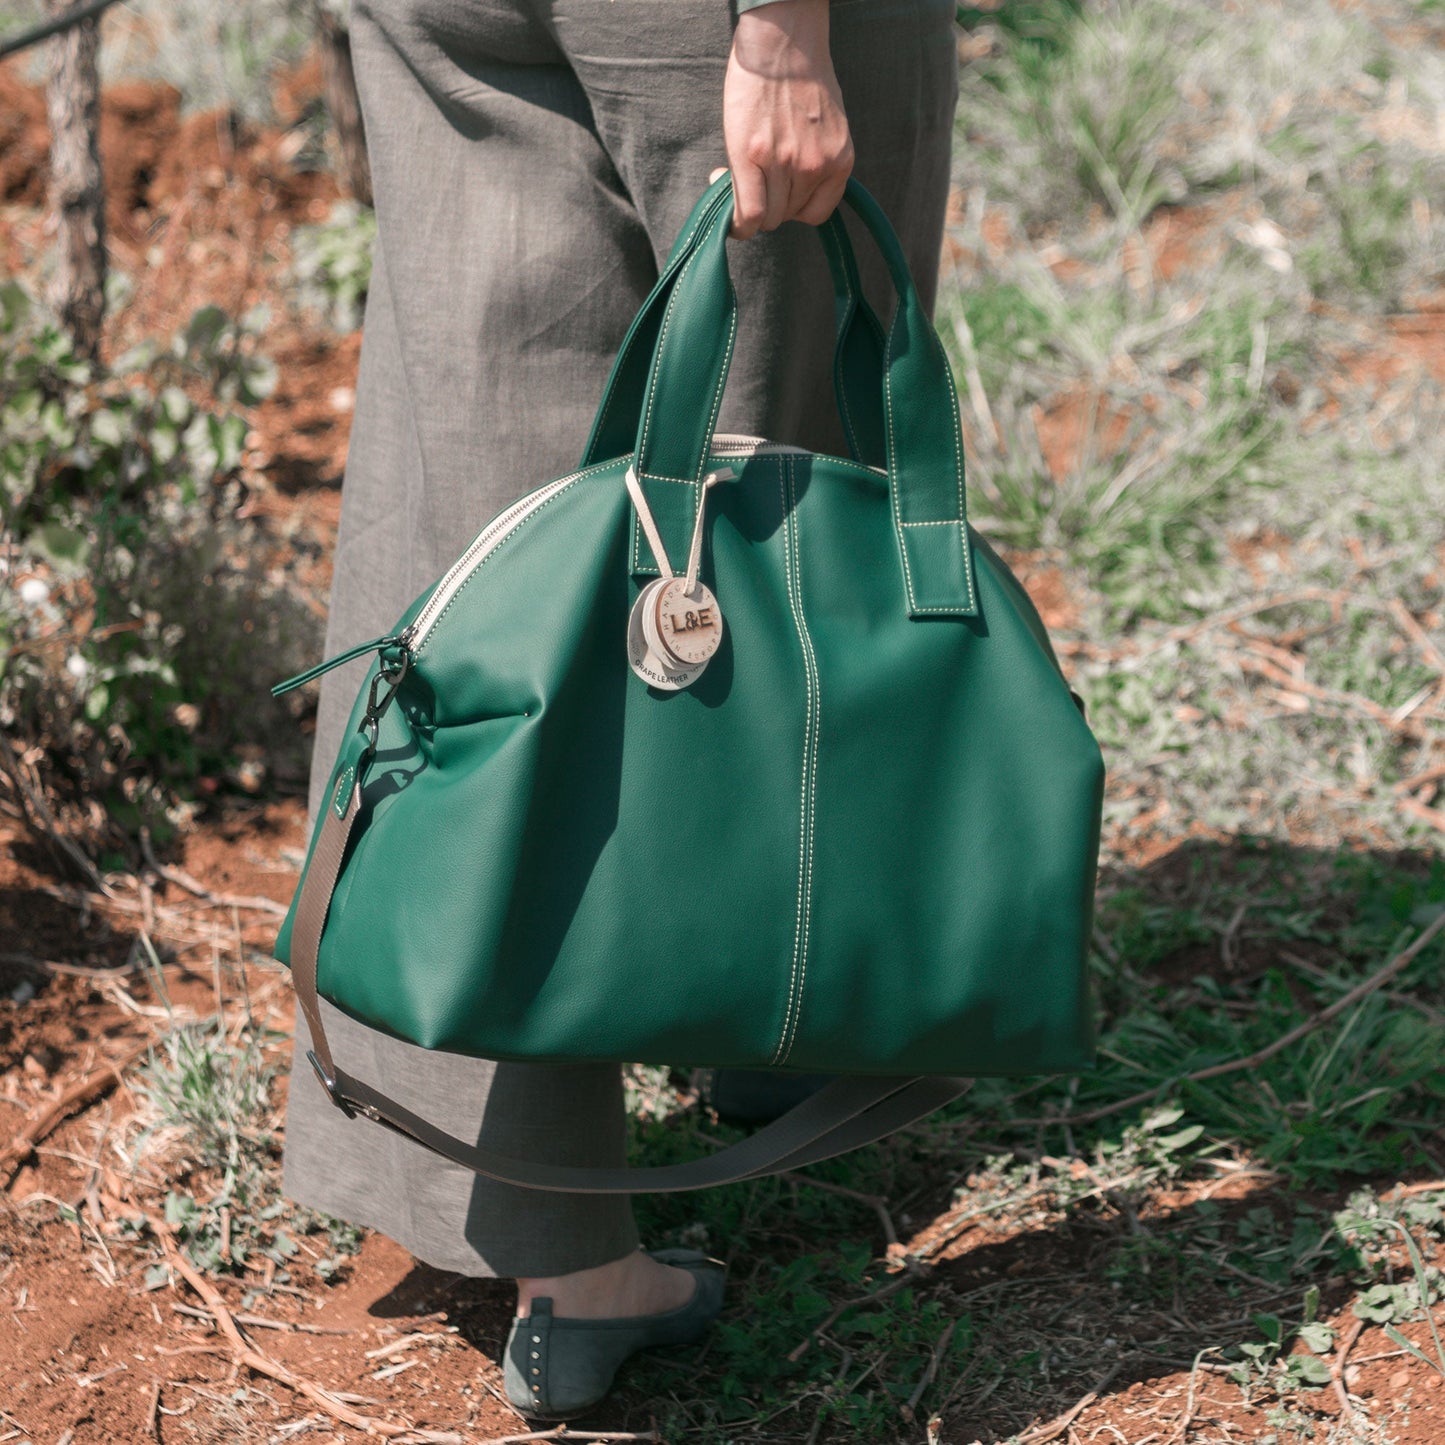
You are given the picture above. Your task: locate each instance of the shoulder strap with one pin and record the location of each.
(846, 1114)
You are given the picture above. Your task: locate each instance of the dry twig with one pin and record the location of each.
(561, 1432)
(84, 1091)
(184, 880)
(1059, 1426)
(1372, 984)
(243, 1352)
(41, 820)
(910, 1274)
(873, 1201)
(928, 1375)
(1337, 1367)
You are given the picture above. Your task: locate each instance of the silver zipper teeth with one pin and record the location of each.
(735, 444)
(414, 636)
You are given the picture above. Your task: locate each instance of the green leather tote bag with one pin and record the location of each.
(719, 752)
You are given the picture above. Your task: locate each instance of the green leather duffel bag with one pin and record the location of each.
(819, 801)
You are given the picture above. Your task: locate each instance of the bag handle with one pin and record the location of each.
(844, 1115)
(923, 440)
(857, 353)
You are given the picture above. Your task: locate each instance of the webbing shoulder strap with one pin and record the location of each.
(844, 1115)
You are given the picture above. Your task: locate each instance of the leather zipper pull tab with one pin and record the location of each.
(360, 650)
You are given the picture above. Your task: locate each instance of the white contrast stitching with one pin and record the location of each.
(612, 396)
(913, 606)
(810, 664)
(778, 1053)
(651, 397)
(717, 393)
(661, 342)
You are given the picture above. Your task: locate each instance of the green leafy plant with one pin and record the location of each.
(331, 263)
(137, 622)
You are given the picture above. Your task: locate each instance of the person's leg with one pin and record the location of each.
(509, 263)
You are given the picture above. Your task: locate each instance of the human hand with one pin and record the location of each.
(786, 136)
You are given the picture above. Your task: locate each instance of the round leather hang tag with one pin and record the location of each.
(685, 627)
(654, 668)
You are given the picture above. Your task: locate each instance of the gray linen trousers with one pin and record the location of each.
(533, 162)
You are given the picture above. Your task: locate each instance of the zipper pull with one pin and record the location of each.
(360, 650)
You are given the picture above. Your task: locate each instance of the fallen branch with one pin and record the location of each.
(909, 1275)
(1416, 809)
(1417, 634)
(1425, 1186)
(84, 1091)
(561, 1432)
(1372, 984)
(873, 1201)
(260, 1322)
(182, 879)
(1181, 1430)
(1422, 779)
(1188, 631)
(41, 820)
(930, 1372)
(1337, 1367)
(1058, 1426)
(74, 970)
(245, 1353)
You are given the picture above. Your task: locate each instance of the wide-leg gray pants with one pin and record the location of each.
(533, 162)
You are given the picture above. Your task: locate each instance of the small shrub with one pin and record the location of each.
(331, 263)
(137, 624)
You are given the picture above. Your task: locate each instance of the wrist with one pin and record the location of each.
(783, 37)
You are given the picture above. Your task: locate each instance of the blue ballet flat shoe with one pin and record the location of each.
(559, 1368)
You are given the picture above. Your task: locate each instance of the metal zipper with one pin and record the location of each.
(732, 444)
(413, 636)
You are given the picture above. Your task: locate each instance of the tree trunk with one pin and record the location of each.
(342, 102)
(77, 193)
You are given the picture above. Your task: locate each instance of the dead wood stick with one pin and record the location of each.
(1416, 809)
(928, 1375)
(1190, 630)
(563, 1433)
(1417, 634)
(1337, 1367)
(42, 822)
(1338, 697)
(76, 970)
(1372, 984)
(1057, 1427)
(245, 1353)
(1420, 780)
(911, 1274)
(260, 1322)
(182, 879)
(1181, 1430)
(873, 1201)
(84, 1091)
(153, 1410)
(1425, 1186)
